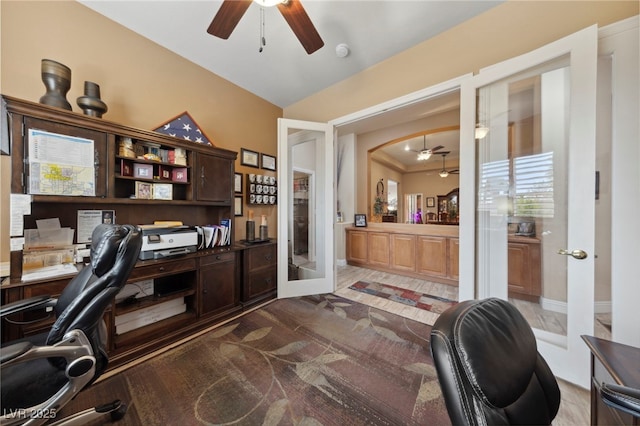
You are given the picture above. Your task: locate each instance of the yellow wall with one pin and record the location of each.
(142, 83)
(508, 30)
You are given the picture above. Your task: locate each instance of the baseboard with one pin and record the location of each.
(602, 307)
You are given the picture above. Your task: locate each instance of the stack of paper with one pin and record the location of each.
(141, 317)
(210, 236)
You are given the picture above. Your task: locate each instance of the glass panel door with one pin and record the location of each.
(534, 193)
(305, 208)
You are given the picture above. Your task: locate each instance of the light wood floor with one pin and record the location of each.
(575, 405)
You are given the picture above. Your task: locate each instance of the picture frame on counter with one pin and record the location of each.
(268, 162)
(144, 190)
(237, 183)
(249, 158)
(238, 206)
(162, 191)
(360, 220)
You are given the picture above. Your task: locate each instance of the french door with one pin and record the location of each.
(305, 208)
(528, 185)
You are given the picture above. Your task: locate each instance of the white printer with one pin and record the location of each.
(163, 242)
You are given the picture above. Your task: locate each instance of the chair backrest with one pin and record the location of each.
(114, 253)
(489, 368)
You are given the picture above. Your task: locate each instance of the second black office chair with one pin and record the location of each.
(489, 368)
(43, 373)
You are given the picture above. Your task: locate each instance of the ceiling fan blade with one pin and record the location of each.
(301, 24)
(435, 148)
(227, 17)
(455, 172)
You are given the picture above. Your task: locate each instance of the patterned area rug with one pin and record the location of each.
(316, 360)
(427, 302)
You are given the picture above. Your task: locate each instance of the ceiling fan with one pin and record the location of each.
(231, 11)
(444, 172)
(425, 153)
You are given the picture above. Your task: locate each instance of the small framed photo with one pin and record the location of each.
(144, 190)
(249, 158)
(179, 174)
(267, 162)
(237, 206)
(431, 201)
(162, 191)
(237, 183)
(143, 170)
(360, 220)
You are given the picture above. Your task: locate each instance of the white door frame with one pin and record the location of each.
(620, 41)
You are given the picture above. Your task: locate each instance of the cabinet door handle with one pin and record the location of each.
(268, 258)
(202, 176)
(267, 280)
(161, 269)
(218, 257)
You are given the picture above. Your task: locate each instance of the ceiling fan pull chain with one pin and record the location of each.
(263, 40)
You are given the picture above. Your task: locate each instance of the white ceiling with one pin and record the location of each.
(283, 73)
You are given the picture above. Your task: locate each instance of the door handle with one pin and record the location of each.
(576, 254)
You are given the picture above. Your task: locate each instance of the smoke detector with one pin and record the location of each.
(342, 50)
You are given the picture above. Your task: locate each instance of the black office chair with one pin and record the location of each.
(41, 374)
(490, 371)
(489, 368)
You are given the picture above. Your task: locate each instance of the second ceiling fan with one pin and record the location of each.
(231, 11)
(444, 172)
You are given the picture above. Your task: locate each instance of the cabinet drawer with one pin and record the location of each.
(260, 257)
(218, 257)
(260, 282)
(161, 269)
(53, 289)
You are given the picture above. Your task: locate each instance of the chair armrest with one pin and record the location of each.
(7, 353)
(30, 304)
(622, 398)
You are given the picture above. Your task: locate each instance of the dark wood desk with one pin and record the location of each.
(612, 363)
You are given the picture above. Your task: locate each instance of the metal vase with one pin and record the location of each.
(57, 80)
(91, 103)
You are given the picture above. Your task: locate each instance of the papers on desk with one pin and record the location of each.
(50, 272)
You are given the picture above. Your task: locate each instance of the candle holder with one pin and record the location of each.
(251, 230)
(264, 232)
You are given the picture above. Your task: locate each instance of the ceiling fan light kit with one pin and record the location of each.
(424, 155)
(481, 131)
(269, 3)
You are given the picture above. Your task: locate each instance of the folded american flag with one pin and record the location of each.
(184, 127)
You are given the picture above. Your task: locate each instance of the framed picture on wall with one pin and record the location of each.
(249, 158)
(237, 183)
(360, 220)
(237, 206)
(268, 162)
(431, 201)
